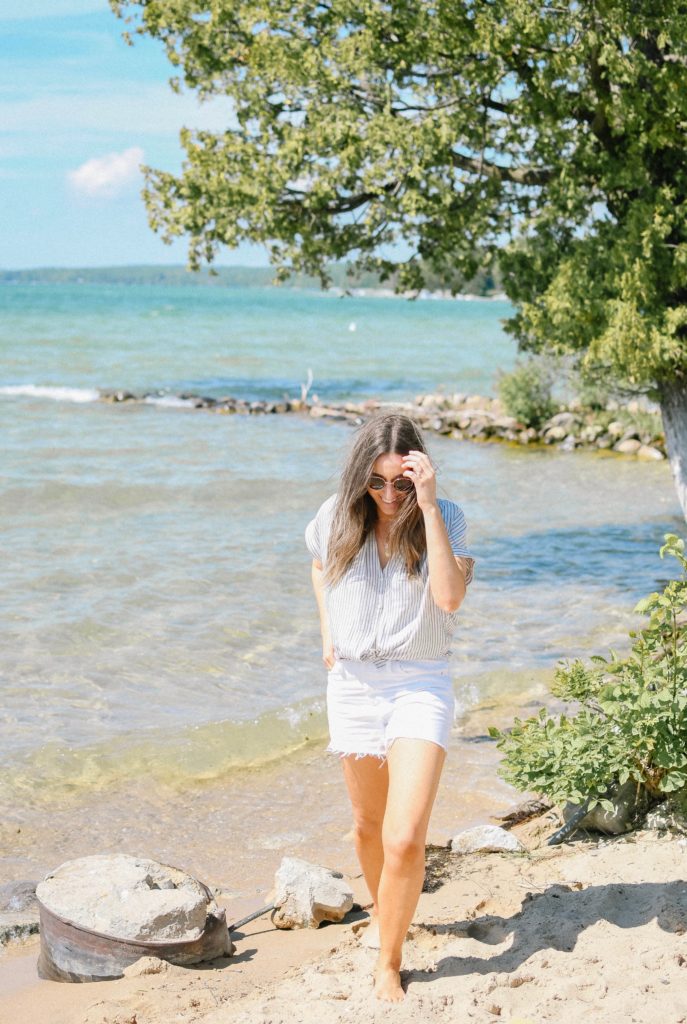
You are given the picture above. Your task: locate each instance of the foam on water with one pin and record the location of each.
(169, 401)
(57, 394)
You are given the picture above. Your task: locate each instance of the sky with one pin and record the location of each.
(80, 110)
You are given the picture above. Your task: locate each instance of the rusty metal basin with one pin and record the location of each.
(70, 952)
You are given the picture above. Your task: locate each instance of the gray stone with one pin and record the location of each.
(567, 420)
(615, 429)
(507, 423)
(18, 911)
(554, 434)
(486, 839)
(307, 894)
(127, 898)
(604, 441)
(647, 451)
(18, 896)
(591, 432)
(628, 447)
(671, 815)
(627, 801)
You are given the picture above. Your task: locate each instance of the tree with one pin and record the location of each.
(425, 136)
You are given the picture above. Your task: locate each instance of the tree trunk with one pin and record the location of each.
(673, 398)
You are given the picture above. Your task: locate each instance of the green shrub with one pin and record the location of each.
(631, 721)
(526, 393)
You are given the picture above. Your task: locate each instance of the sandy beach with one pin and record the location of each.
(594, 930)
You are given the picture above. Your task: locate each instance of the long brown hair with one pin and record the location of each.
(355, 512)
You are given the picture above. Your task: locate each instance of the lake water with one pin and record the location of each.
(158, 621)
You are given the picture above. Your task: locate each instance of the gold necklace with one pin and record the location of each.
(385, 542)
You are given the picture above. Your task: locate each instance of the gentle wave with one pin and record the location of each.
(170, 401)
(186, 757)
(58, 394)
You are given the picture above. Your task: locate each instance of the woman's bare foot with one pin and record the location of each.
(388, 984)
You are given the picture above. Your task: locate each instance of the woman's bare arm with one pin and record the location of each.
(446, 570)
(317, 573)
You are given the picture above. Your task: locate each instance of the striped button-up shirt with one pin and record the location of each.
(381, 614)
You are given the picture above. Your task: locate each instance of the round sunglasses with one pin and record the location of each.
(402, 484)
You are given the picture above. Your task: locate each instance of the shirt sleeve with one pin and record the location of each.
(457, 530)
(317, 530)
(313, 539)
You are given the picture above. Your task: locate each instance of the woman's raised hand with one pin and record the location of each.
(418, 468)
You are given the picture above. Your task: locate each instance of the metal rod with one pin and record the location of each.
(251, 917)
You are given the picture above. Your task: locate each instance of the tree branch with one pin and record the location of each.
(517, 175)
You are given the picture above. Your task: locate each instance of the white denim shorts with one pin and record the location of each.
(370, 705)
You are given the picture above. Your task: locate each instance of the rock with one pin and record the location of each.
(627, 802)
(507, 423)
(18, 911)
(671, 815)
(127, 898)
(18, 896)
(146, 965)
(528, 436)
(474, 402)
(567, 420)
(427, 402)
(615, 429)
(590, 433)
(307, 894)
(486, 839)
(628, 447)
(568, 443)
(552, 434)
(604, 441)
(321, 411)
(647, 451)
(478, 427)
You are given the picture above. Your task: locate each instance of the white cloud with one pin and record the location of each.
(107, 175)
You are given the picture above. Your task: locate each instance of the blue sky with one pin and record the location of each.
(79, 110)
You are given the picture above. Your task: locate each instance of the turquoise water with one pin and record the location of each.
(256, 343)
(156, 604)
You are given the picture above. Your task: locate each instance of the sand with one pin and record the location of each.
(595, 930)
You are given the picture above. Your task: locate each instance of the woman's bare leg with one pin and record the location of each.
(367, 781)
(414, 768)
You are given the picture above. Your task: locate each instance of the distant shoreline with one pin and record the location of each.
(364, 286)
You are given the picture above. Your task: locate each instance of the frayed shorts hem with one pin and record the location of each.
(381, 757)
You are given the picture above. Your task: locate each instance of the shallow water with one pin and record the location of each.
(158, 621)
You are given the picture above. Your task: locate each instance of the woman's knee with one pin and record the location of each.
(367, 828)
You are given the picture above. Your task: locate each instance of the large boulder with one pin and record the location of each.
(127, 898)
(307, 894)
(628, 801)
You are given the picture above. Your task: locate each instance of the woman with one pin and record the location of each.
(389, 570)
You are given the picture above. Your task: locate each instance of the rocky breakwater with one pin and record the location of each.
(623, 429)
(626, 430)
